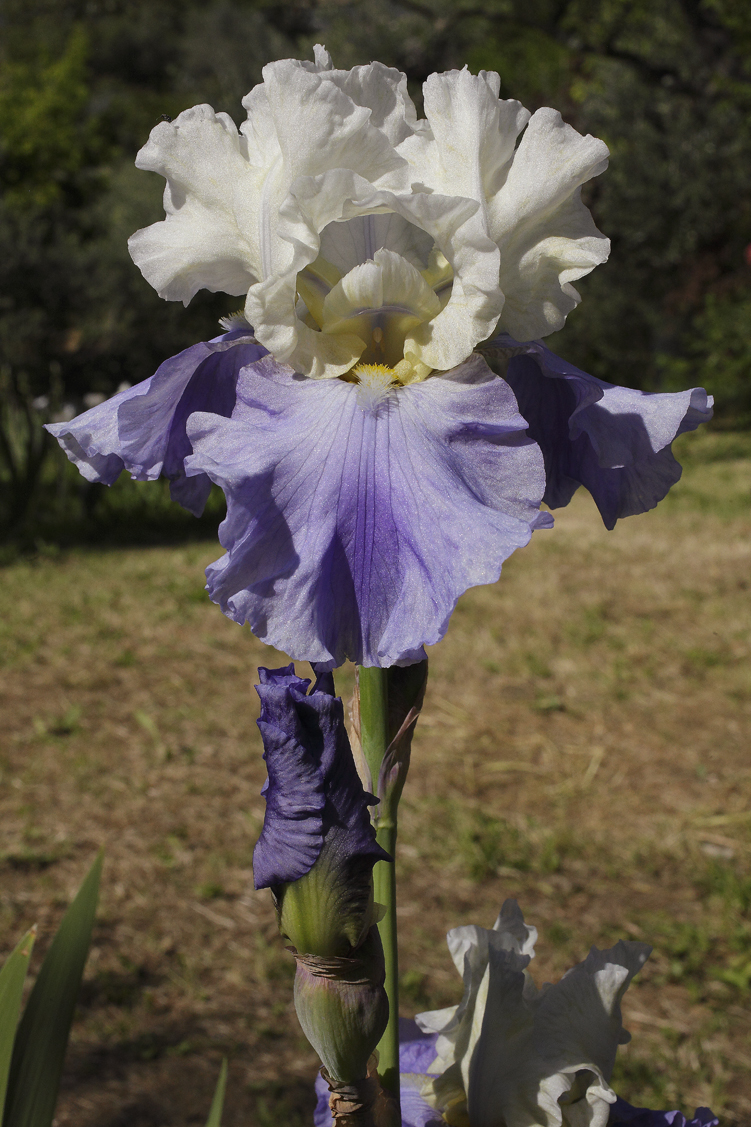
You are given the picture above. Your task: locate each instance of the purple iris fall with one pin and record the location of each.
(143, 430)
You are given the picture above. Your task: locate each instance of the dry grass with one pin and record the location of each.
(584, 748)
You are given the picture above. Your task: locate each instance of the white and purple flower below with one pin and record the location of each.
(374, 465)
(513, 1055)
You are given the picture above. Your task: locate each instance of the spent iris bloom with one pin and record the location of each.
(386, 432)
(510, 1055)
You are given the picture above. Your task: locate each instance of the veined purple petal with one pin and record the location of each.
(613, 440)
(417, 1050)
(292, 834)
(143, 429)
(285, 677)
(313, 794)
(352, 529)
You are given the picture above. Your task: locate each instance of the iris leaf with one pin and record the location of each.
(12, 978)
(42, 1038)
(217, 1104)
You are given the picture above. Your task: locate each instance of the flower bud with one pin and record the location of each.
(317, 848)
(342, 1007)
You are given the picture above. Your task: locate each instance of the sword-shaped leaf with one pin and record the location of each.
(215, 1115)
(42, 1038)
(12, 978)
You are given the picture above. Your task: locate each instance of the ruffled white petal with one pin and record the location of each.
(473, 134)
(383, 91)
(470, 949)
(341, 195)
(319, 127)
(334, 165)
(205, 241)
(546, 235)
(529, 196)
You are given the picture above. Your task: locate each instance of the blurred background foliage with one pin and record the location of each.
(667, 83)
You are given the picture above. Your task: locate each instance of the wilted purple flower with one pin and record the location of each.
(417, 1056)
(317, 847)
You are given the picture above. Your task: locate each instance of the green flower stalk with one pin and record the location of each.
(387, 705)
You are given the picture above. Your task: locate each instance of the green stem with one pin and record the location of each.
(384, 887)
(374, 735)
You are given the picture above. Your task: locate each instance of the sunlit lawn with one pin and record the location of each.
(584, 748)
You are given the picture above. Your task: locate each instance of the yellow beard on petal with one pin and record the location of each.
(374, 381)
(375, 375)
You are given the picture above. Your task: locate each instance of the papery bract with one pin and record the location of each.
(343, 1008)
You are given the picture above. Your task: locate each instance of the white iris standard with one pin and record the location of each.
(362, 235)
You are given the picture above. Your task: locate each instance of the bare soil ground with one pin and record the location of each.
(584, 748)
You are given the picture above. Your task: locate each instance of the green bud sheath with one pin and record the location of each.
(342, 1007)
(330, 910)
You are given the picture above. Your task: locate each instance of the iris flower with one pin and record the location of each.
(510, 1055)
(386, 432)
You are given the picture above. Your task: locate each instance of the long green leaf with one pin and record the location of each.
(217, 1104)
(12, 978)
(42, 1037)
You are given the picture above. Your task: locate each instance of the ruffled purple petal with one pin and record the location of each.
(142, 430)
(313, 793)
(352, 529)
(292, 834)
(613, 440)
(624, 1115)
(416, 1053)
